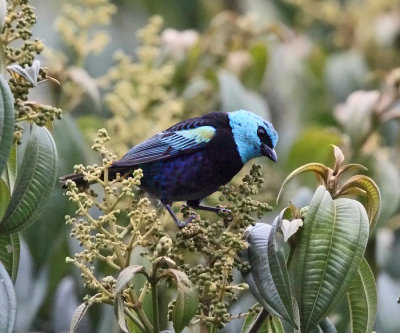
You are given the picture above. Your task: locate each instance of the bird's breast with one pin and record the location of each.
(193, 175)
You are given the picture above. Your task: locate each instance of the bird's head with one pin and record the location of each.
(253, 135)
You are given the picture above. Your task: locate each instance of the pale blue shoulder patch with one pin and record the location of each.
(199, 134)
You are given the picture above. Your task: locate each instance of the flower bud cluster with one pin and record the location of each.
(110, 223)
(143, 96)
(215, 248)
(19, 53)
(75, 26)
(18, 26)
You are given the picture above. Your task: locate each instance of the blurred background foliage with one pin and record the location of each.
(324, 72)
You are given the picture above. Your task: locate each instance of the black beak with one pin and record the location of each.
(269, 152)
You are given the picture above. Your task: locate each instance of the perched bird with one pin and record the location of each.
(192, 159)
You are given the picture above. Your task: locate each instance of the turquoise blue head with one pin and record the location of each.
(254, 136)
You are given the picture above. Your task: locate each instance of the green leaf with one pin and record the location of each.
(331, 246)
(278, 269)
(9, 254)
(248, 321)
(261, 232)
(326, 326)
(7, 119)
(10, 172)
(8, 302)
(79, 313)
(124, 278)
(4, 197)
(186, 300)
(362, 300)
(269, 279)
(35, 181)
(120, 313)
(272, 324)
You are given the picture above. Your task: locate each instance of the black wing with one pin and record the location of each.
(186, 136)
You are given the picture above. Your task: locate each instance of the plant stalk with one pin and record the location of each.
(154, 296)
(139, 311)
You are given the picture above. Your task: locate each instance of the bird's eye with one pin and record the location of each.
(261, 132)
(264, 137)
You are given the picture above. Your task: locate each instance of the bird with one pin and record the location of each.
(193, 158)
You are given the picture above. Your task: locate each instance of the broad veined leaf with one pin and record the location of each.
(10, 172)
(331, 247)
(35, 181)
(362, 300)
(7, 119)
(124, 278)
(248, 276)
(120, 313)
(272, 324)
(324, 326)
(249, 279)
(8, 302)
(268, 280)
(4, 197)
(248, 321)
(79, 313)
(279, 273)
(9, 253)
(186, 301)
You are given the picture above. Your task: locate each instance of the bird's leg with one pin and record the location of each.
(195, 204)
(179, 224)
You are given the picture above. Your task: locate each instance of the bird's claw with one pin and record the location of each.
(226, 213)
(182, 224)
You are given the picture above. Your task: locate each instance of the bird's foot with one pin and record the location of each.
(226, 215)
(182, 224)
(225, 212)
(186, 212)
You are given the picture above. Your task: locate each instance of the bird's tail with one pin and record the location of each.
(77, 178)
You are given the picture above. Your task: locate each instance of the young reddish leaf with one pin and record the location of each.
(371, 192)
